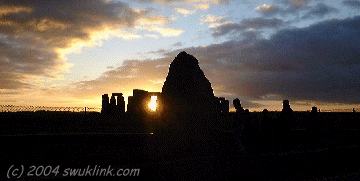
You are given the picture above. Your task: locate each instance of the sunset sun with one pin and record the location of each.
(152, 104)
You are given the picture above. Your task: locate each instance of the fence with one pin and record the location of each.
(12, 108)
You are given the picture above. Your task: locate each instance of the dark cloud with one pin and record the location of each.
(320, 10)
(319, 63)
(255, 23)
(226, 29)
(33, 31)
(259, 23)
(62, 21)
(13, 81)
(352, 3)
(316, 63)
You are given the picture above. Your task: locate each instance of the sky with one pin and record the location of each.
(70, 52)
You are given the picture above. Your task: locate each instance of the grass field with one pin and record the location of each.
(76, 141)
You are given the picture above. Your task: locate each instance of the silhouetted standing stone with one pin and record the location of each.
(105, 104)
(189, 102)
(186, 87)
(265, 120)
(237, 105)
(266, 129)
(251, 133)
(112, 105)
(314, 119)
(286, 113)
(120, 104)
(314, 110)
(286, 107)
(286, 119)
(239, 121)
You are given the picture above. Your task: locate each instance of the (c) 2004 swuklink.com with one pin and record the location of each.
(17, 171)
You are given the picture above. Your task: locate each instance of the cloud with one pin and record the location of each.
(296, 64)
(167, 2)
(178, 44)
(320, 10)
(132, 74)
(212, 19)
(161, 51)
(296, 3)
(152, 36)
(227, 28)
(202, 6)
(259, 23)
(8, 9)
(291, 7)
(255, 23)
(268, 10)
(165, 32)
(352, 3)
(116, 33)
(35, 34)
(299, 64)
(184, 11)
(156, 23)
(196, 6)
(153, 20)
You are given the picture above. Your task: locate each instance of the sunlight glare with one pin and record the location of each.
(152, 104)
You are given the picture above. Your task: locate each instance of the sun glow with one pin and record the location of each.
(152, 104)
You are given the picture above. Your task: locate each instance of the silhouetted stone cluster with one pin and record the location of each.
(116, 105)
(186, 91)
(222, 105)
(188, 113)
(139, 102)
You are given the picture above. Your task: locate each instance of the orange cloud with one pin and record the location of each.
(6, 9)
